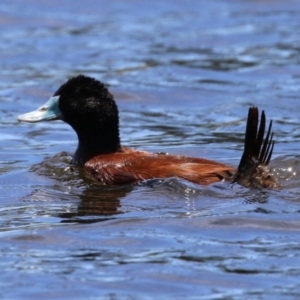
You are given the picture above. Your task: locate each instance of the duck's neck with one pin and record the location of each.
(91, 144)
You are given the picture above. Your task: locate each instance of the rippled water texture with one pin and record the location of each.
(184, 74)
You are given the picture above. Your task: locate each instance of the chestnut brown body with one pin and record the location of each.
(130, 166)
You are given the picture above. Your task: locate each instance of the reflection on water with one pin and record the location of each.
(183, 75)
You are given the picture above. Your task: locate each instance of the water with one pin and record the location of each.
(184, 75)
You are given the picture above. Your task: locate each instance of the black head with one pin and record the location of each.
(84, 102)
(88, 106)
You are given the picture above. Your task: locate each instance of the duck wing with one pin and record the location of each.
(133, 166)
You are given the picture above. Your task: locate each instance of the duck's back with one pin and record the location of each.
(130, 166)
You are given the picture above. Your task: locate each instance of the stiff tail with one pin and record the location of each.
(253, 169)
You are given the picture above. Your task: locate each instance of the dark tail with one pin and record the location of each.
(253, 168)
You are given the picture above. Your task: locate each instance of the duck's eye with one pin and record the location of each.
(44, 108)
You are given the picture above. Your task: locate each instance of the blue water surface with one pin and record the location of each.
(183, 74)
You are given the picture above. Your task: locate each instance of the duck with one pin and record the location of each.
(86, 104)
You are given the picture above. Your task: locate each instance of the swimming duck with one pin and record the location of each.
(89, 108)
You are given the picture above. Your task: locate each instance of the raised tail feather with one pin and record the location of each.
(253, 169)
